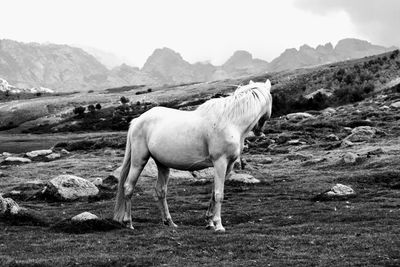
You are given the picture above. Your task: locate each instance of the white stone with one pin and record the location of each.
(298, 116)
(340, 190)
(243, 178)
(7, 205)
(350, 157)
(84, 216)
(395, 104)
(70, 187)
(17, 160)
(36, 153)
(328, 111)
(53, 156)
(6, 154)
(332, 137)
(64, 151)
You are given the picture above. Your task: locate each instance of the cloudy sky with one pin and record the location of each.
(206, 30)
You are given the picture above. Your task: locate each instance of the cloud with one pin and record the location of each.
(378, 20)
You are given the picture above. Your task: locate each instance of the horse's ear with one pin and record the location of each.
(251, 82)
(268, 84)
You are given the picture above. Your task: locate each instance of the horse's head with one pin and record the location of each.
(265, 88)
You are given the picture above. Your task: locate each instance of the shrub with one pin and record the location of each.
(124, 100)
(149, 90)
(79, 110)
(98, 106)
(91, 108)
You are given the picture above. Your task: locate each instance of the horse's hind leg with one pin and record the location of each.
(161, 194)
(138, 162)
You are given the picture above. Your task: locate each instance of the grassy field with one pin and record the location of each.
(274, 223)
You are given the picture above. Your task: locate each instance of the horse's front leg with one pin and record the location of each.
(222, 168)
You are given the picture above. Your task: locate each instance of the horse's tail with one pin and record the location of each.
(120, 204)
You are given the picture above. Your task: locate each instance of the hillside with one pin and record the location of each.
(298, 90)
(67, 69)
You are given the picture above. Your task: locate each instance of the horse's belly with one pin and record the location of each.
(179, 146)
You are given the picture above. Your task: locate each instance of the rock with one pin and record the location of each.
(64, 151)
(266, 160)
(7, 205)
(332, 137)
(70, 187)
(53, 156)
(299, 116)
(97, 181)
(328, 111)
(295, 142)
(361, 134)
(384, 108)
(350, 157)
(84, 216)
(346, 143)
(395, 105)
(347, 129)
(37, 153)
(6, 154)
(338, 191)
(17, 160)
(243, 178)
(298, 156)
(314, 161)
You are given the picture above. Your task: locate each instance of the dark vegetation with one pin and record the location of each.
(123, 89)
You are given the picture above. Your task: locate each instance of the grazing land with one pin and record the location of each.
(277, 222)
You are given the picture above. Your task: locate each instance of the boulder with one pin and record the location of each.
(7, 205)
(84, 216)
(295, 142)
(37, 153)
(242, 178)
(70, 187)
(332, 137)
(299, 116)
(337, 192)
(328, 111)
(395, 105)
(53, 156)
(6, 154)
(64, 151)
(361, 134)
(16, 160)
(384, 108)
(350, 157)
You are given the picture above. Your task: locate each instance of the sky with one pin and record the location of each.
(202, 30)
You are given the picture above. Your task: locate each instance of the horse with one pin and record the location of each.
(210, 136)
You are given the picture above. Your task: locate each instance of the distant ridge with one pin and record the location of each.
(65, 68)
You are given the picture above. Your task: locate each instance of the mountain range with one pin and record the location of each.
(66, 68)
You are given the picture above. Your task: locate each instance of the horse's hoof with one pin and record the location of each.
(220, 229)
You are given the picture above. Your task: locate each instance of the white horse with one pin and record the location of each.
(210, 136)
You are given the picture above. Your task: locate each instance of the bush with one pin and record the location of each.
(124, 100)
(79, 110)
(149, 90)
(98, 106)
(91, 108)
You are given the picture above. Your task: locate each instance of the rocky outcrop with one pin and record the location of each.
(307, 56)
(337, 192)
(242, 178)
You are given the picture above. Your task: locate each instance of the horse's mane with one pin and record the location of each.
(245, 101)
